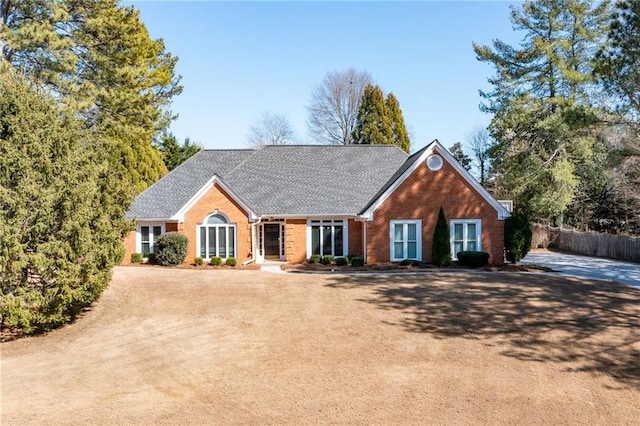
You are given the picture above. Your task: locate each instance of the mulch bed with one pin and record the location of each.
(392, 267)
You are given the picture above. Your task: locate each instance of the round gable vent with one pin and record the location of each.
(434, 162)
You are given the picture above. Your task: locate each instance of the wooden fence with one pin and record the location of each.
(590, 243)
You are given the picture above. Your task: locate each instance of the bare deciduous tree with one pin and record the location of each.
(480, 142)
(271, 129)
(333, 110)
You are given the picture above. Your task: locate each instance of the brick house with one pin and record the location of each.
(289, 202)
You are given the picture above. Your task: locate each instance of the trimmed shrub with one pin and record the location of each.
(231, 261)
(199, 261)
(342, 261)
(171, 249)
(473, 258)
(441, 250)
(517, 236)
(136, 257)
(151, 258)
(357, 261)
(215, 261)
(315, 258)
(327, 260)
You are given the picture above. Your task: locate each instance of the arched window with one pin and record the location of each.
(217, 237)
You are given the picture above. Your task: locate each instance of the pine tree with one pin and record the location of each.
(460, 156)
(62, 218)
(99, 60)
(543, 123)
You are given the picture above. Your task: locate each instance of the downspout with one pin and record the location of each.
(364, 241)
(253, 243)
(364, 237)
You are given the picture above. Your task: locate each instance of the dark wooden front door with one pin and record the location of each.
(272, 241)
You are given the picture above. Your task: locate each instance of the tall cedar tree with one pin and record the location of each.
(400, 134)
(62, 218)
(441, 248)
(547, 148)
(380, 121)
(98, 58)
(373, 126)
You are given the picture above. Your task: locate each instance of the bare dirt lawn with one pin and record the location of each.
(203, 346)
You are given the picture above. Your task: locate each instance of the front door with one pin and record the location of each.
(272, 241)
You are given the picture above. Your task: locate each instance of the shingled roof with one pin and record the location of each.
(280, 179)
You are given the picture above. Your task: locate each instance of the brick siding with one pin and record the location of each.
(420, 197)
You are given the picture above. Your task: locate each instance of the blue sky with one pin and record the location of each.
(240, 59)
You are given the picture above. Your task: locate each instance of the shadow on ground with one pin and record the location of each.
(587, 326)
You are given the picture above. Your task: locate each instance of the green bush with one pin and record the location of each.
(136, 257)
(327, 260)
(441, 250)
(231, 261)
(315, 258)
(473, 258)
(215, 261)
(199, 261)
(151, 258)
(171, 249)
(357, 261)
(517, 236)
(342, 261)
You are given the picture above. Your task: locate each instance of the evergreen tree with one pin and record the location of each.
(441, 248)
(62, 218)
(400, 134)
(543, 124)
(380, 121)
(174, 153)
(619, 61)
(98, 58)
(373, 126)
(462, 158)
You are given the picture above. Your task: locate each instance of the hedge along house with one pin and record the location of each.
(289, 202)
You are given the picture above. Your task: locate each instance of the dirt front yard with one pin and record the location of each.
(199, 346)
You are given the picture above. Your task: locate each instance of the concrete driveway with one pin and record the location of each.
(587, 267)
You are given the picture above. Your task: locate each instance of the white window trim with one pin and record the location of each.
(282, 241)
(392, 224)
(227, 225)
(329, 222)
(139, 234)
(453, 222)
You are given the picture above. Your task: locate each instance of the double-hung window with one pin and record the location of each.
(405, 240)
(466, 235)
(217, 237)
(148, 237)
(327, 237)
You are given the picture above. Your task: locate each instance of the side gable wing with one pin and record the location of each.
(413, 163)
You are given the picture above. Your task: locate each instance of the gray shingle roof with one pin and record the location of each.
(280, 179)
